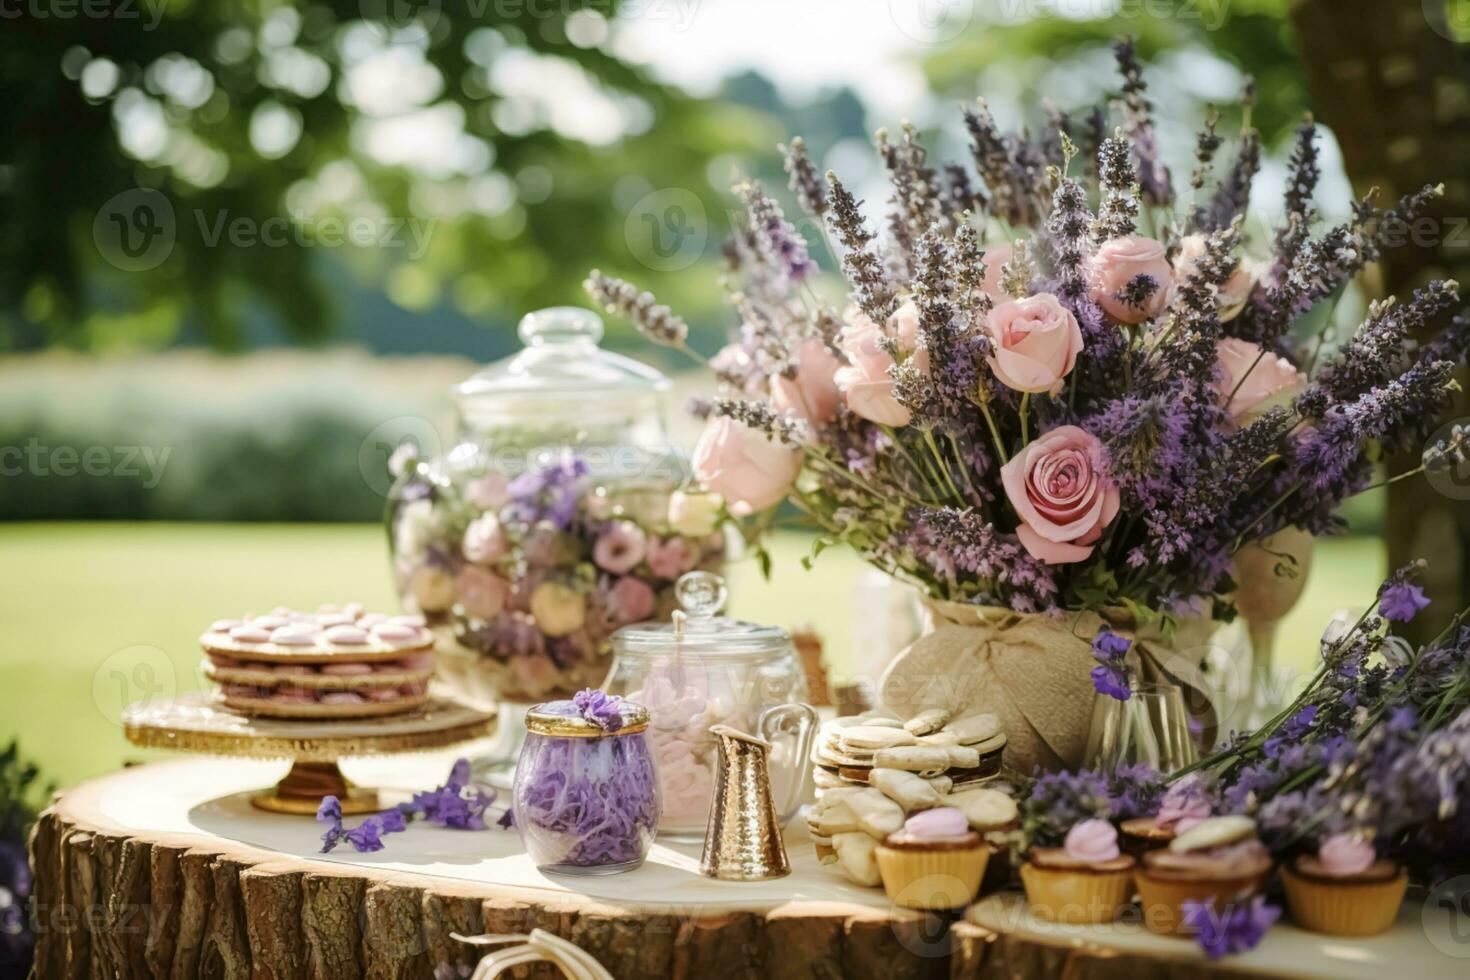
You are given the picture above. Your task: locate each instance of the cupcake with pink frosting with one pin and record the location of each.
(1345, 889)
(935, 861)
(1186, 804)
(1087, 879)
(1218, 861)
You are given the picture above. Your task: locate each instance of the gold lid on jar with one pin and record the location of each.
(553, 718)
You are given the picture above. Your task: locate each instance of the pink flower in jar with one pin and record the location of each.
(490, 491)
(750, 469)
(485, 540)
(1115, 268)
(481, 593)
(1035, 343)
(865, 381)
(1252, 381)
(670, 557)
(620, 547)
(1064, 499)
(810, 392)
(630, 600)
(536, 673)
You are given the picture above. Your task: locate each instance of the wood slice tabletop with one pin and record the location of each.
(164, 870)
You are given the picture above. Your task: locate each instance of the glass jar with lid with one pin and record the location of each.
(553, 519)
(703, 669)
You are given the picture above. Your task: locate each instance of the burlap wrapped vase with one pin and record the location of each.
(1033, 670)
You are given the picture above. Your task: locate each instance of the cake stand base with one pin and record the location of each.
(302, 790)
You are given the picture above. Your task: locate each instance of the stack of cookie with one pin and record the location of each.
(872, 771)
(338, 662)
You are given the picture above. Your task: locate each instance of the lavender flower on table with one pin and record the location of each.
(1238, 927)
(1112, 676)
(459, 804)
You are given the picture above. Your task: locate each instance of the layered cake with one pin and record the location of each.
(337, 662)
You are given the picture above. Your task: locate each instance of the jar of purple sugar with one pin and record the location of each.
(586, 794)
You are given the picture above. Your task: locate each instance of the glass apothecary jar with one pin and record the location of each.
(586, 795)
(703, 669)
(554, 519)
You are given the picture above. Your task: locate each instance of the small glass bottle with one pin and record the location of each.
(586, 797)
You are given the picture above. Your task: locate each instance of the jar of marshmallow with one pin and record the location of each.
(705, 669)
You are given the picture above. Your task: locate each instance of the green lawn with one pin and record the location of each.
(98, 615)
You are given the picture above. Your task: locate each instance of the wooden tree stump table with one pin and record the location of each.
(166, 871)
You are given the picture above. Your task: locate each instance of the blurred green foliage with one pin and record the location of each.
(505, 128)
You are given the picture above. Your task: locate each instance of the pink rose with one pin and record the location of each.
(749, 468)
(1117, 263)
(670, 557)
(996, 256)
(866, 381)
(811, 394)
(1058, 488)
(482, 593)
(630, 600)
(1252, 382)
(620, 547)
(1236, 290)
(488, 492)
(1036, 342)
(485, 540)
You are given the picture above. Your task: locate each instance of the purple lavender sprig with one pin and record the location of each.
(459, 804)
(1238, 927)
(1399, 598)
(781, 244)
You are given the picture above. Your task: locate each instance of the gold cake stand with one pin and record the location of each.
(194, 723)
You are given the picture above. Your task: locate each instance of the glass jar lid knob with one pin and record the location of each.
(702, 594)
(560, 325)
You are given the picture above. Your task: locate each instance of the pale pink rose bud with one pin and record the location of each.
(1036, 342)
(750, 469)
(631, 600)
(866, 382)
(1059, 489)
(1250, 382)
(481, 593)
(1236, 290)
(488, 492)
(485, 540)
(996, 256)
(811, 394)
(1117, 263)
(620, 547)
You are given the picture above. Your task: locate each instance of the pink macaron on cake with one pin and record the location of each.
(337, 662)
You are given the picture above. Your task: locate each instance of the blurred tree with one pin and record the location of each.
(194, 162)
(1392, 79)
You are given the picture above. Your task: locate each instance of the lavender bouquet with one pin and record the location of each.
(1059, 386)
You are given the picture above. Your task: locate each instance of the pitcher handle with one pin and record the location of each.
(774, 720)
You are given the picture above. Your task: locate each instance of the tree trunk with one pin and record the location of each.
(1387, 78)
